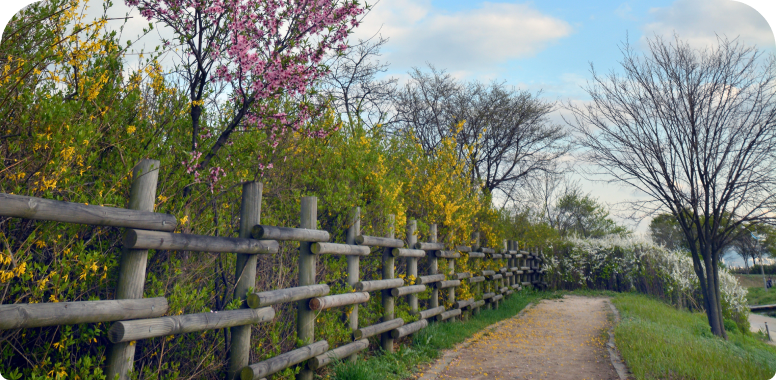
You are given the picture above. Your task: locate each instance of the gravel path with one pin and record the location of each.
(556, 339)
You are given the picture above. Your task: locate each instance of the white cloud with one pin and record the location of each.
(474, 40)
(624, 11)
(697, 21)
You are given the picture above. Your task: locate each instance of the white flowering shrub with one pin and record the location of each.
(633, 263)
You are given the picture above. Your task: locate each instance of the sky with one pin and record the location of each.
(546, 46)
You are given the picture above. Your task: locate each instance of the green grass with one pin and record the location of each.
(660, 342)
(427, 343)
(759, 296)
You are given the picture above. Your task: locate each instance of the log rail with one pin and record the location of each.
(135, 318)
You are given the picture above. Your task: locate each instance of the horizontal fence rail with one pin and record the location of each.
(135, 318)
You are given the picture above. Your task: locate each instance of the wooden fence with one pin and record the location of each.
(135, 317)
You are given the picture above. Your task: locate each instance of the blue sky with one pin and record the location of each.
(536, 45)
(548, 44)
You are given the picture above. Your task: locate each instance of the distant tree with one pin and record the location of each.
(578, 214)
(694, 130)
(752, 241)
(353, 87)
(665, 231)
(505, 134)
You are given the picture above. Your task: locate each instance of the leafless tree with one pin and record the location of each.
(695, 129)
(353, 86)
(504, 134)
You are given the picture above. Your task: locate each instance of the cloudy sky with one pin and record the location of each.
(543, 45)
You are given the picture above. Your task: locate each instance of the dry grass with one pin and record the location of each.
(750, 280)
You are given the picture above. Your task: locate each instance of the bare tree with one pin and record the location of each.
(504, 134)
(696, 131)
(353, 86)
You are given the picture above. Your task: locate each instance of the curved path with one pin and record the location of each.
(556, 339)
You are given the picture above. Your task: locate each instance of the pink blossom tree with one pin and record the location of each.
(262, 51)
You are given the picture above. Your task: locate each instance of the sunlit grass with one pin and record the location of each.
(660, 342)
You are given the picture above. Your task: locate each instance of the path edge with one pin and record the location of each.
(452, 354)
(614, 354)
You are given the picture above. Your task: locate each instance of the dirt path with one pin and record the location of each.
(558, 339)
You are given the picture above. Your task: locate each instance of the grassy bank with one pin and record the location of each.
(660, 342)
(750, 280)
(426, 344)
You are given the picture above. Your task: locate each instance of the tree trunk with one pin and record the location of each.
(711, 300)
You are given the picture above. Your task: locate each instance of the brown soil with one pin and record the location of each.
(558, 339)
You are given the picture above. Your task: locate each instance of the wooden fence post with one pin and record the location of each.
(305, 318)
(353, 269)
(412, 263)
(245, 277)
(476, 248)
(451, 272)
(433, 268)
(132, 267)
(516, 262)
(386, 341)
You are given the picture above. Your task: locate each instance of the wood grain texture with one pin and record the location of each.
(487, 250)
(407, 290)
(463, 303)
(463, 248)
(338, 353)
(141, 239)
(273, 297)
(448, 314)
(409, 329)
(132, 265)
(425, 280)
(478, 255)
(431, 312)
(245, 276)
(125, 331)
(447, 284)
(379, 328)
(20, 206)
(406, 252)
(278, 363)
(429, 246)
(476, 279)
(23, 316)
(263, 232)
(463, 275)
(447, 254)
(339, 249)
(327, 302)
(488, 273)
(369, 286)
(374, 241)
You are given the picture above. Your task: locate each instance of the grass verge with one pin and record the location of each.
(760, 296)
(660, 342)
(426, 344)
